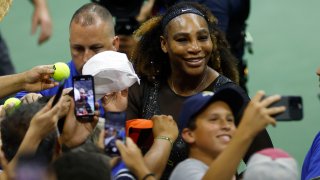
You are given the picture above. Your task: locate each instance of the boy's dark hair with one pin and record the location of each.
(15, 126)
(82, 166)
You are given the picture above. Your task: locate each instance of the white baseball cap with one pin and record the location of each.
(112, 72)
(271, 164)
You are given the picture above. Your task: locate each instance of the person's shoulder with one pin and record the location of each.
(224, 82)
(189, 169)
(191, 163)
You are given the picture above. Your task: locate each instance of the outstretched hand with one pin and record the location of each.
(38, 78)
(258, 114)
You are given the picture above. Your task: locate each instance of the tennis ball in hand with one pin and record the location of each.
(14, 100)
(61, 71)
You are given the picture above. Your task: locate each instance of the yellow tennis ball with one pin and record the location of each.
(61, 71)
(14, 100)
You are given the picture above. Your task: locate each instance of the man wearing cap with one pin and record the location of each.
(207, 124)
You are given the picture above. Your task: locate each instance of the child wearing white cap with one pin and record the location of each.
(271, 164)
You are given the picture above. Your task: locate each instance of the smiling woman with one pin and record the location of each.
(178, 55)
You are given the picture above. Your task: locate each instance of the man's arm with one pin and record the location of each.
(36, 79)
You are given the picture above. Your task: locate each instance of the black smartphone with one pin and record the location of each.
(294, 108)
(58, 95)
(114, 128)
(54, 102)
(83, 95)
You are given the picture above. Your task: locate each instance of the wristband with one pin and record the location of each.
(165, 138)
(148, 175)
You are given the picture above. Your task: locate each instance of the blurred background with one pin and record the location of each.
(285, 58)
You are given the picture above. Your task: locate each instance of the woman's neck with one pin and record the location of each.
(186, 85)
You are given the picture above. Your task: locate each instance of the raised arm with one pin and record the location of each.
(255, 118)
(35, 79)
(42, 123)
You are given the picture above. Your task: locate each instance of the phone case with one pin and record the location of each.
(114, 129)
(294, 108)
(83, 94)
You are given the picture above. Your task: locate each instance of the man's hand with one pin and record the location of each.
(41, 18)
(45, 121)
(75, 132)
(38, 78)
(115, 102)
(30, 98)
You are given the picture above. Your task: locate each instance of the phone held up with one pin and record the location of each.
(54, 102)
(294, 108)
(83, 94)
(114, 128)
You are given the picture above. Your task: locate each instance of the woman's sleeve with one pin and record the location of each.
(135, 102)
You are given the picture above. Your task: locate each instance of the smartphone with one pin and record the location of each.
(294, 108)
(54, 102)
(83, 95)
(114, 128)
(58, 95)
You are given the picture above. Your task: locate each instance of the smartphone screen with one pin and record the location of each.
(114, 128)
(83, 89)
(294, 108)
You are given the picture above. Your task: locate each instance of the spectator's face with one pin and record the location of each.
(88, 40)
(214, 129)
(82, 93)
(188, 43)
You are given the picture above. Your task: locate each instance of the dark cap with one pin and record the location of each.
(196, 103)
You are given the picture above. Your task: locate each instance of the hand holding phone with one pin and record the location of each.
(294, 108)
(83, 89)
(54, 102)
(114, 129)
